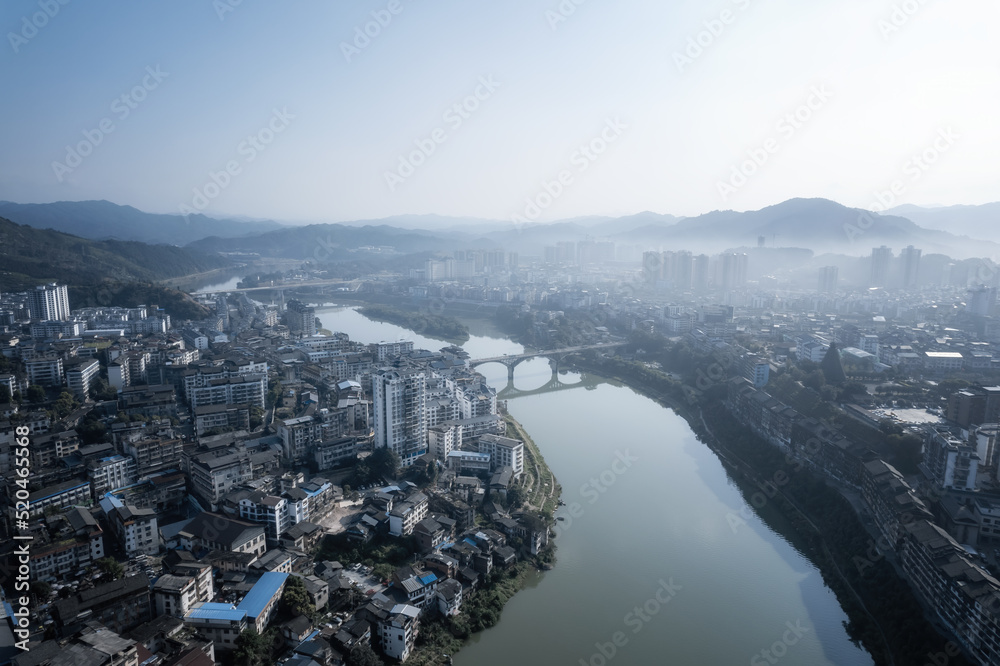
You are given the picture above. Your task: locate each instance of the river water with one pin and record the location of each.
(660, 560)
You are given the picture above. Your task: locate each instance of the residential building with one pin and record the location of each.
(909, 257)
(405, 515)
(110, 473)
(218, 532)
(119, 605)
(400, 402)
(93, 646)
(397, 630)
(449, 597)
(174, 595)
(261, 601)
(300, 319)
(70, 549)
(137, 530)
(49, 302)
(828, 279)
(336, 452)
(61, 495)
(504, 452)
(45, 370)
(80, 375)
(220, 623)
(272, 511)
(881, 260)
(249, 389)
(952, 461)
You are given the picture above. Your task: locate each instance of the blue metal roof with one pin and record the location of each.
(216, 611)
(427, 579)
(262, 592)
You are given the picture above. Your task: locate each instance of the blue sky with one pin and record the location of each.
(564, 109)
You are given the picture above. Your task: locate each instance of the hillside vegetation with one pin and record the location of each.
(31, 256)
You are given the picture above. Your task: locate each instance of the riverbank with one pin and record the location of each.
(800, 505)
(447, 329)
(442, 638)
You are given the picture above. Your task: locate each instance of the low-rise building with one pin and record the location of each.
(119, 605)
(174, 595)
(135, 529)
(262, 599)
(405, 515)
(214, 531)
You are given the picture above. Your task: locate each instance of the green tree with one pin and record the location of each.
(383, 570)
(256, 417)
(907, 452)
(252, 648)
(92, 430)
(64, 404)
(111, 566)
(384, 462)
(515, 497)
(36, 393)
(274, 394)
(295, 598)
(363, 655)
(42, 591)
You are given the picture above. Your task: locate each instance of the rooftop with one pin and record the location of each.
(262, 592)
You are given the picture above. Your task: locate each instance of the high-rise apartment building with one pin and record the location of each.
(828, 276)
(49, 302)
(399, 400)
(910, 258)
(881, 260)
(301, 318)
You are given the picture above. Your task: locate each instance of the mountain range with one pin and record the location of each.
(30, 256)
(103, 220)
(819, 225)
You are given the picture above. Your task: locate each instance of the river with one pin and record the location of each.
(654, 565)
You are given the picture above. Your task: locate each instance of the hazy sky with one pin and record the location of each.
(635, 104)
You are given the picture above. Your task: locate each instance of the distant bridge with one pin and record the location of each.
(554, 356)
(553, 384)
(352, 285)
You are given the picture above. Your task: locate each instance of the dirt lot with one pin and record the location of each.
(337, 520)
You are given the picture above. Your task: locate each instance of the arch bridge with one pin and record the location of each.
(511, 361)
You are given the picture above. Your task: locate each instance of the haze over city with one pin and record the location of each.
(345, 111)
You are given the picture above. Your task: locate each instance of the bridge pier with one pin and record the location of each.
(510, 373)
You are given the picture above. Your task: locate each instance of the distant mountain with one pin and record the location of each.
(100, 220)
(973, 221)
(30, 256)
(335, 242)
(817, 224)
